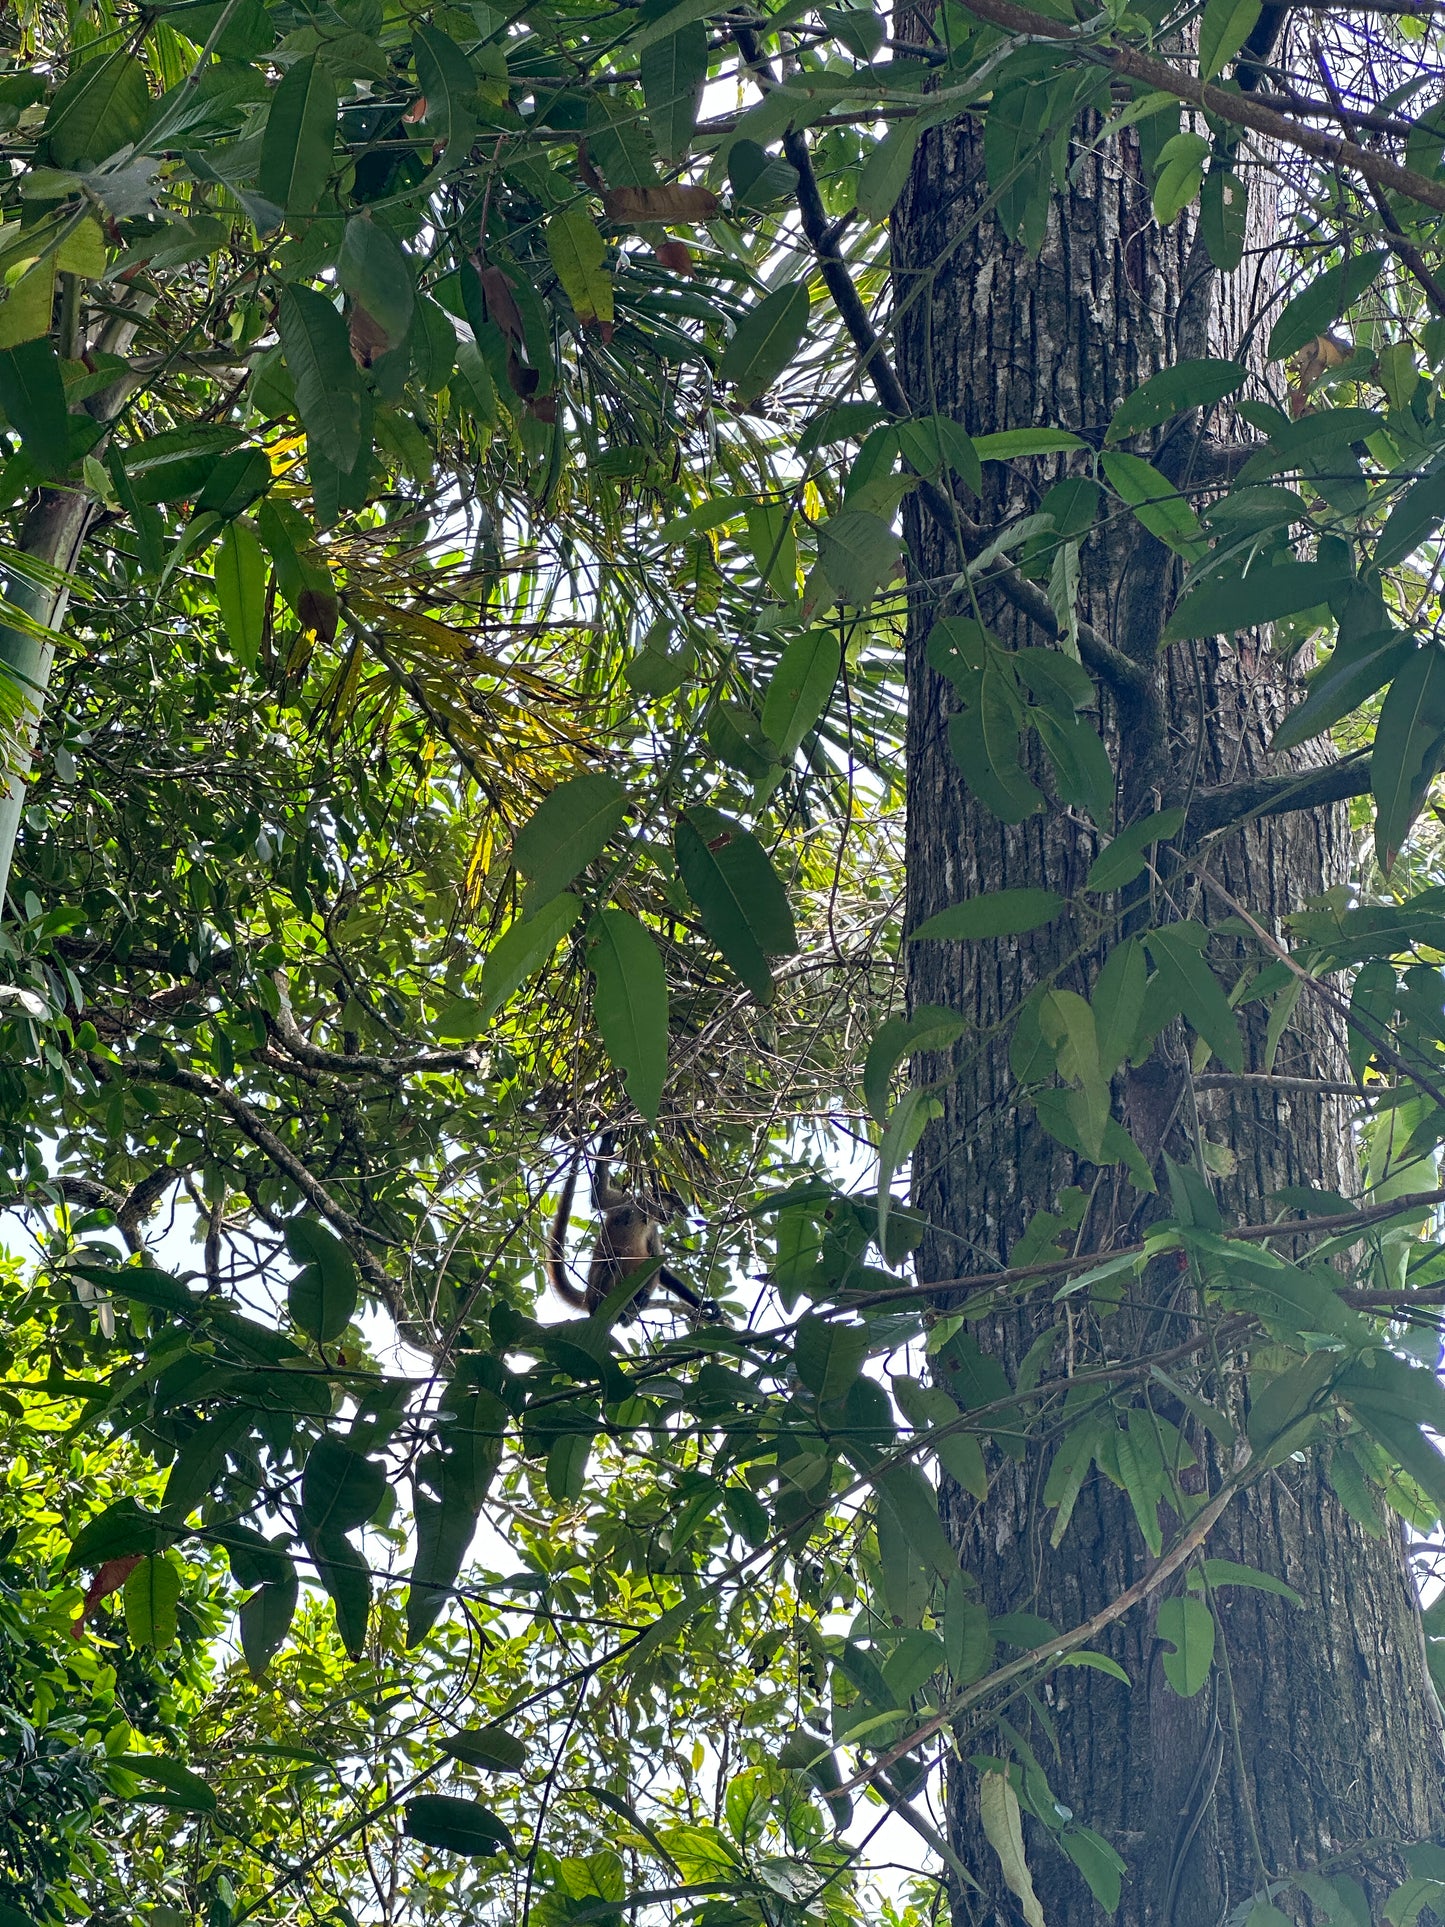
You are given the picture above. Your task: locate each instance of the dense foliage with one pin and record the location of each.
(454, 459)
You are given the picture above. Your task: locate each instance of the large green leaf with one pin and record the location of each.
(186, 1791)
(32, 395)
(1194, 989)
(455, 1825)
(673, 72)
(343, 1572)
(1156, 502)
(265, 1621)
(1415, 516)
(374, 270)
(322, 1297)
(1187, 1625)
(449, 88)
(300, 134)
(1001, 913)
(569, 829)
(317, 348)
(741, 900)
(1187, 384)
(858, 552)
(1224, 27)
(799, 690)
(340, 1489)
(152, 1594)
(492, 1748)
(101, 107)
(1353, 673)
(1226, 604)
(1409, 739)
(930, 1028)
(240, 576)
(1125, 858)
(523, 949)
(767, 338)
(1312, 311)
(631, 1004)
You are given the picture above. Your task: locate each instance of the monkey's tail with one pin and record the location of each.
(556, 1254)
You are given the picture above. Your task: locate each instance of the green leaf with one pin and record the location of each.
(317, 348)
(568, 830)
(1415, 516)
(1156, 502)
(1228, 1572)
(1013, 443)
(1180, 175)
(1003, 1829)
(322, 1297)
(491, 1747)
(577, 251)
(240, 577)
(265, 1621)
(911, 1116)
(858, 552)
(1372, 1011)
(340, 1489)
(674, 70)
(190, 1791)
(984, 741)
(1125, 858)
(904, 1493)
(1225, 605)
(1187, 1626)
(1222, 207)
(342, 1571)
(96, 111)
(523, 949)
(1001, 913)
(742, 902)
(1118, 1002)
(774, 543)
(116, 1533)
(631, 1004)
(1337, 688)
(455, 1825)
(767, 338)
(829, 1355)
(1194, 990)
(1095, 1859)
(1316, 307)
(374, 270)
(928, 1029)
(1224, 26)
(296, 146)
(1409, 739)
(886, 170)
(449, 88)
(967, 1642)
(152, 1594)
(32, 395)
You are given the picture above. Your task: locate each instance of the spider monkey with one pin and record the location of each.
(630, 1238)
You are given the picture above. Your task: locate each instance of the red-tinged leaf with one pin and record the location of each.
(110, 1578)
(677, 256)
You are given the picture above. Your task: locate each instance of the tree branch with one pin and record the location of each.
(349, 1227)
(1232, 803)
(1242, 109)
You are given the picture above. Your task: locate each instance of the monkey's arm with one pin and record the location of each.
(556, 1255)
(606, 1195)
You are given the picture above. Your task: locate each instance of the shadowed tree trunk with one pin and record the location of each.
(1316, 1741)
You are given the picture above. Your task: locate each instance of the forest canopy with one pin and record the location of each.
(827, 622)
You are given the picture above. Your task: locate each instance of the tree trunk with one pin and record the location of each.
(1315, 1742)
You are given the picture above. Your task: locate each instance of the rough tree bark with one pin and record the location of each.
(1318, 1742)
